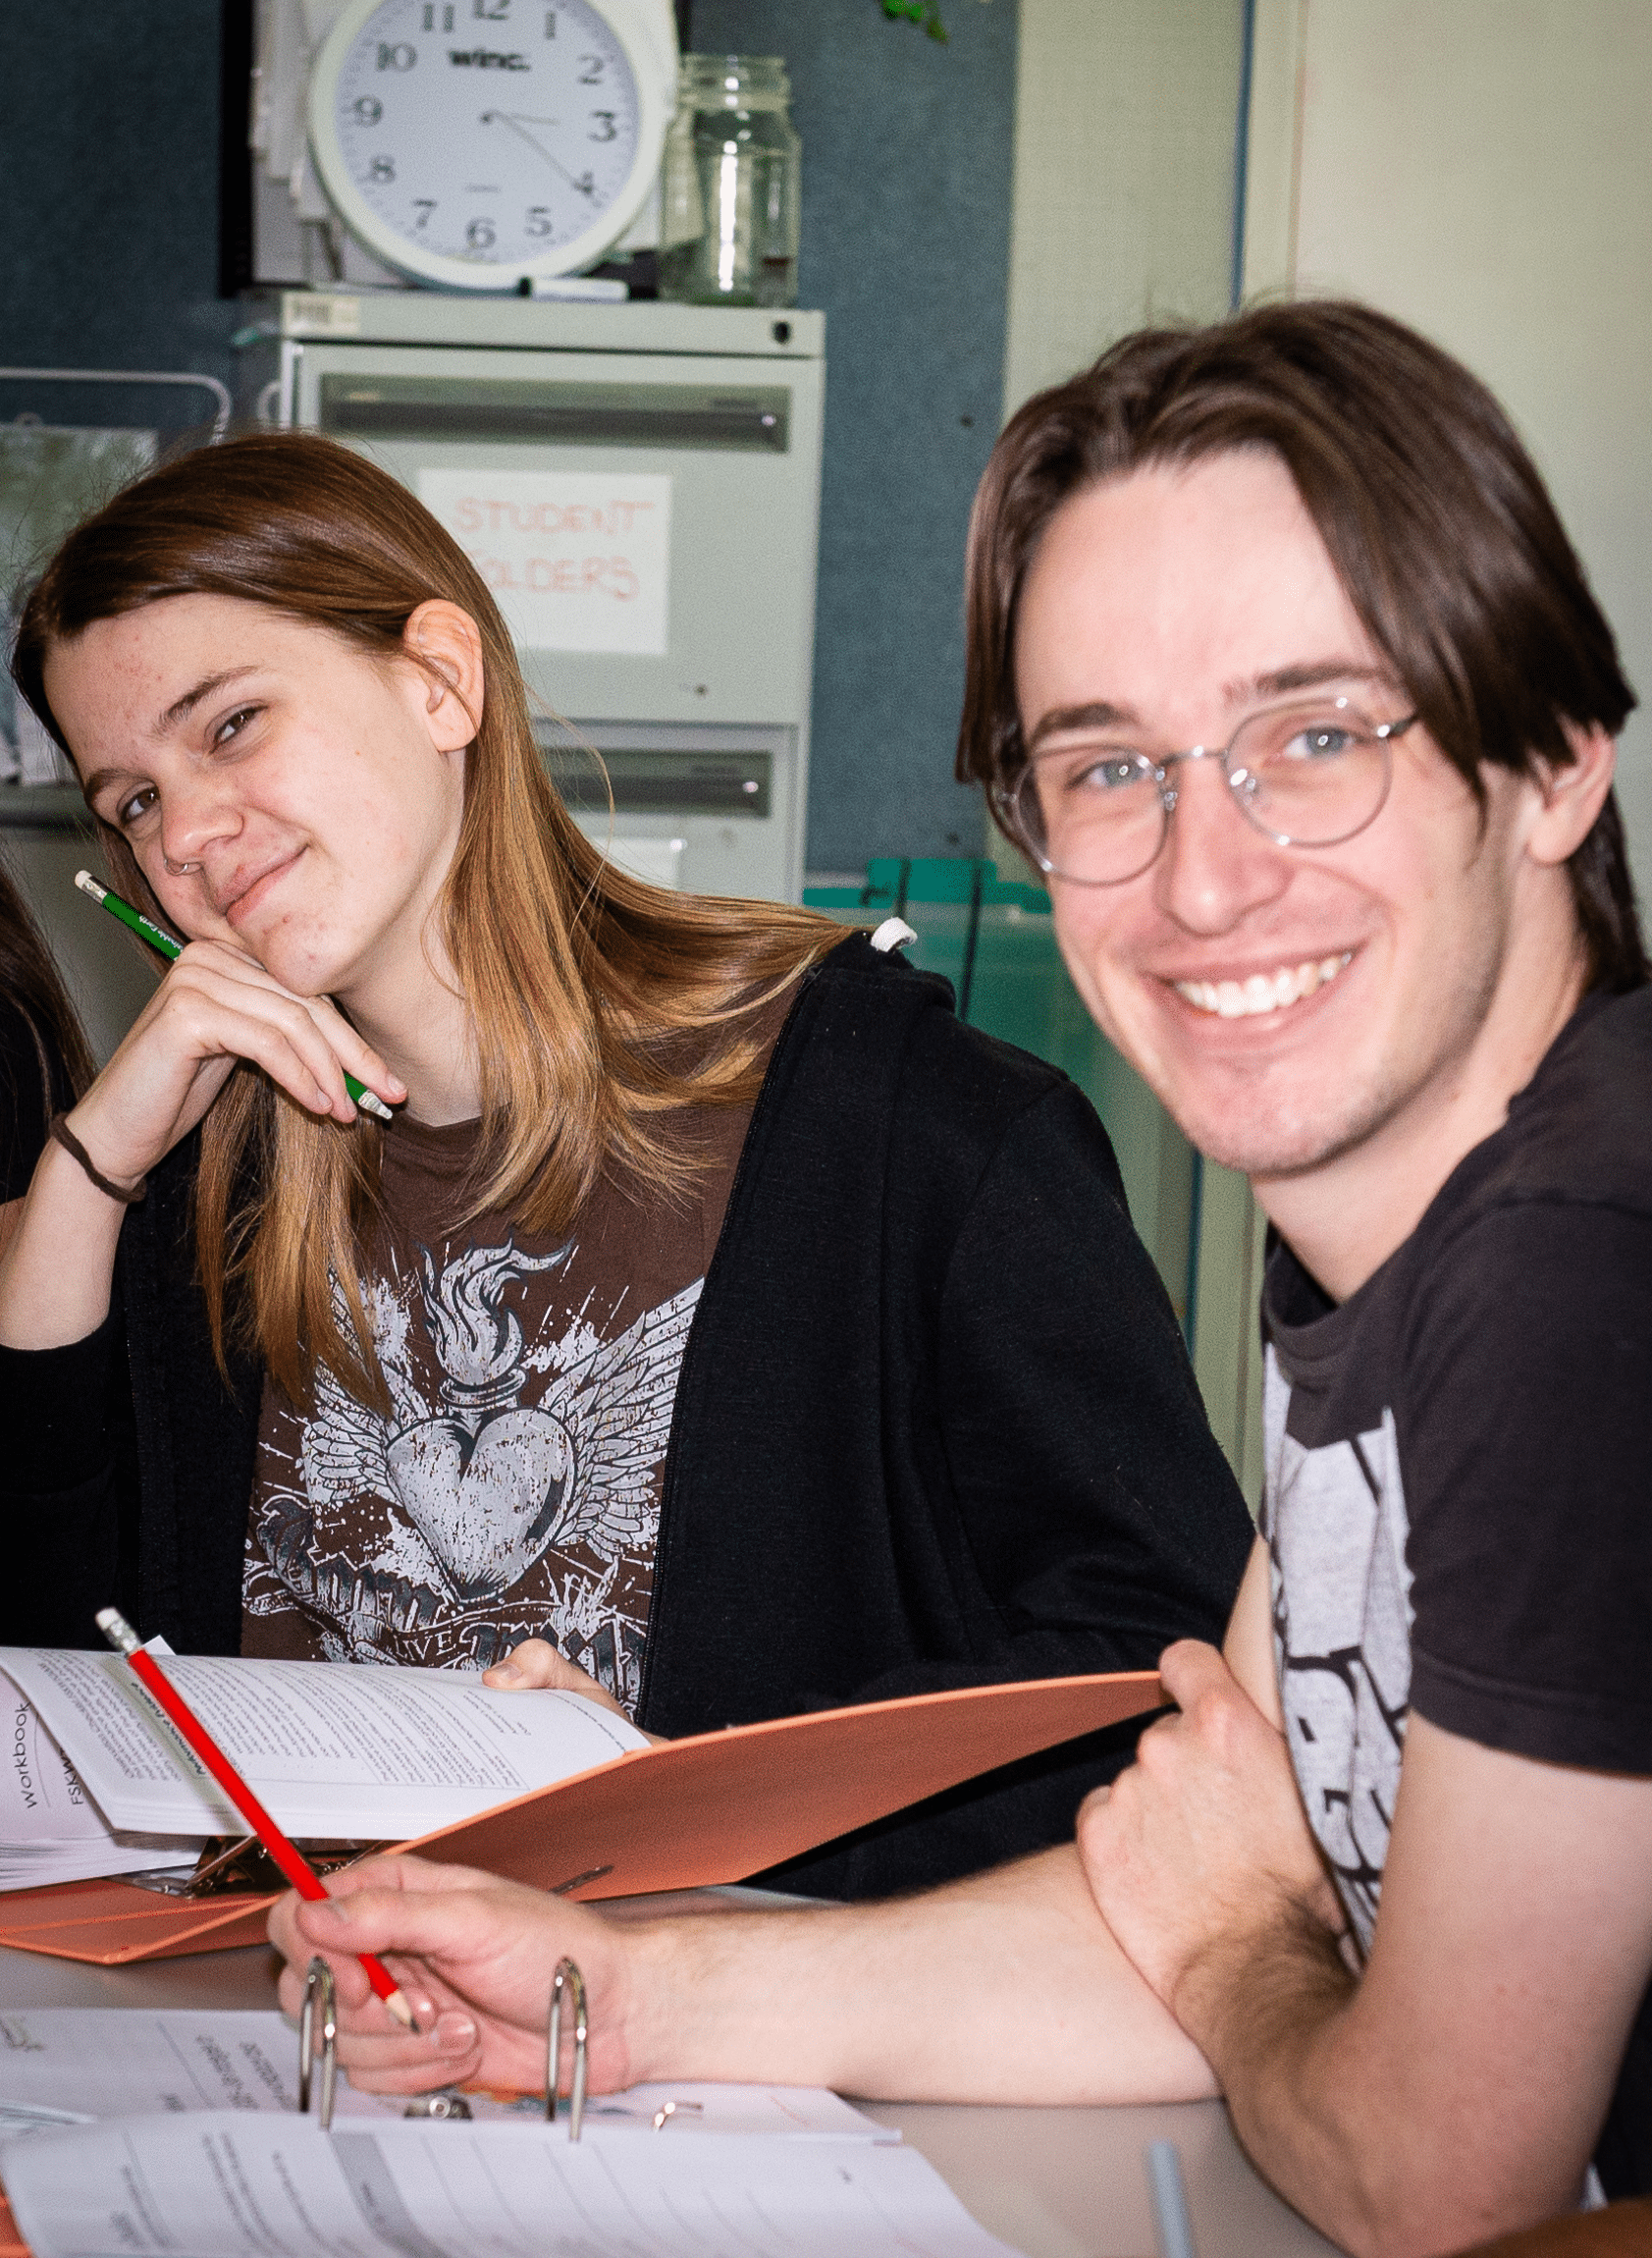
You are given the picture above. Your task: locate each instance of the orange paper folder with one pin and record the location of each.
(714, 1808)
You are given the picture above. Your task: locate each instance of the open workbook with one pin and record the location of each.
(334, 1750)
(50, 1829)
(544, 1787)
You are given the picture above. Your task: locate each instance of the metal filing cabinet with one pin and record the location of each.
(640, 485)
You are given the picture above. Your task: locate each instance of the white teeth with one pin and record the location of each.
(1262, 992)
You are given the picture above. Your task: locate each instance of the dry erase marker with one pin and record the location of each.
(147, 929)
(286, 1853)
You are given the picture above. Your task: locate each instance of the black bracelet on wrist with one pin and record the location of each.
(61, 1134)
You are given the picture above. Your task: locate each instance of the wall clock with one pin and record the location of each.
(475, 142)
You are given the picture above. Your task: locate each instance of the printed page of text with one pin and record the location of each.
(228, 2187)
(338, 1751)
(72, 2064)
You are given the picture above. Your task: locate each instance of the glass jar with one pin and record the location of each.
(732, 185)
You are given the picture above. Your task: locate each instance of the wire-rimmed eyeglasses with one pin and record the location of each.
(1308, 774)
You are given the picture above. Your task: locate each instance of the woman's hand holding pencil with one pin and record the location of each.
(215, 1007)
(146, 927)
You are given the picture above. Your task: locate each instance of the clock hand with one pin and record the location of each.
(504, 118)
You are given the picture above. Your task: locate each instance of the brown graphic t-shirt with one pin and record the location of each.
(513, 1493)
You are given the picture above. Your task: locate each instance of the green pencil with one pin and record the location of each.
(368, 1100)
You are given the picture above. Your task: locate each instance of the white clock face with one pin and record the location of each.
(481, 134)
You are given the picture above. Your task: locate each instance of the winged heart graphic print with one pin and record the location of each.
(512, 1490)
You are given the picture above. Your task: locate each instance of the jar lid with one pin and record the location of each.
(733, 82)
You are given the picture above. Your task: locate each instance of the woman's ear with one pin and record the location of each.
(1573, 796)
(445, 644)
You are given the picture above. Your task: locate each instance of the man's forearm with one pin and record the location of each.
(1269, 2009)
(1007, 1987)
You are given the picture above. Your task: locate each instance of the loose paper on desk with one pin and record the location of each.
(221, 2185)
(336, 1751)
(50, 1829)
(75, 2064)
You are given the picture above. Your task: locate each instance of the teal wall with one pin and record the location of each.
(109, 118)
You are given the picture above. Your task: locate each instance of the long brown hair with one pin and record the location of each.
(581, 982)
(1434, 514)
(29, 980)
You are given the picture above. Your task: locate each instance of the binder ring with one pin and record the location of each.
(568, 1976)
(446, 2107)
(319, 1980)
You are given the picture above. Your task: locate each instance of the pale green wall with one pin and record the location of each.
(1124, 175)
(1484, 171)
(1125, 131)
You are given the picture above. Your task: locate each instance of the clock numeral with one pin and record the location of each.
(479, 235)
(550, 23)
(400, 57)
(367, 111)
(491, 11)
(430, 18)
(382, 169)
(538, 221)
(591, 70)
(586, 183)
(424, 206)
(608, 131)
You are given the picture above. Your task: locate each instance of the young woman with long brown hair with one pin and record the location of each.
(694, 1323)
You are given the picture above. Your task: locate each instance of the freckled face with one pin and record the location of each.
(298, 778)
(1367, 970)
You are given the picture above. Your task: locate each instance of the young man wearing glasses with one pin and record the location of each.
(1282, 667)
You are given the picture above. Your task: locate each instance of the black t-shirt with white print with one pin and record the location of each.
(513, 1489)
(1459, 1501)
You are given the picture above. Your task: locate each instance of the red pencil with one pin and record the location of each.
(286, 1854)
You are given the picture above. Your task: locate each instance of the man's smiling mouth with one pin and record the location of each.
(1263, 990)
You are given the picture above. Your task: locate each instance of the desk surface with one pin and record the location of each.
(1052, 2182)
